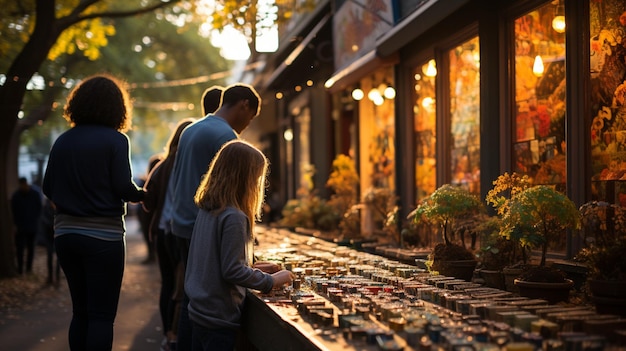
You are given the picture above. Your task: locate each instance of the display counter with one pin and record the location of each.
(343, 299)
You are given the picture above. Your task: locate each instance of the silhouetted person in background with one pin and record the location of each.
(168, 255)
(143, 217)
(26, 209)
(46, 227)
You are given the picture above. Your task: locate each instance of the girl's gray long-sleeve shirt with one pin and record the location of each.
(219, 268)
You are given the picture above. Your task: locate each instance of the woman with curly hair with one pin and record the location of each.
(89, 180)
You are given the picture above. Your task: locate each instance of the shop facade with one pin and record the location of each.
(423, 93)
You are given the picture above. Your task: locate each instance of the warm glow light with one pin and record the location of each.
(374, 95)
(538, 66)
(430, 70)
(279, 95)
(427, 102)
(389, 93)
(288, 135)
(558, 24)
(357, 94)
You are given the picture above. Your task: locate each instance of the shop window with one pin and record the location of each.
(465, 115)
(538, 126)
(539, 119)
(607, 63)
(425, 117)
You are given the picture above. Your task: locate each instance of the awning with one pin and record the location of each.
(293, 56)
(416, 24)
(357, 70)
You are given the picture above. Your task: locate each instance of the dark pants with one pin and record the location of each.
(25, 240)
(184, 324)
(93, 269)
(53, 270)
(205, 339)
(169, 259)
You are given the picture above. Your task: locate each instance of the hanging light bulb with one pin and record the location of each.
(389, 93)
(357, 94)
(538, 66)
(558, 22)
(374, 94)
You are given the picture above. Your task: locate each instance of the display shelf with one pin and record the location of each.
(343, 299)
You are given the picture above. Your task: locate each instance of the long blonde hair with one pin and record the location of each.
(236, 177)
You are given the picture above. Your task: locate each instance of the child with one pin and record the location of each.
(230, 199)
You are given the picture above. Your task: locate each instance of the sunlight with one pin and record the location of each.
(233, 45)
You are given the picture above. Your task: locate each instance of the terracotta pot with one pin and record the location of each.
(551, 292)
(461, 269)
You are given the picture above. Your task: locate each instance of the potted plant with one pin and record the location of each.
(495, 253)
(443, 208)
(539, 216)
(604, 229)
(505, 251)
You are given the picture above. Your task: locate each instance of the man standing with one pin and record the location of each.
(26, 206)
(198, 144)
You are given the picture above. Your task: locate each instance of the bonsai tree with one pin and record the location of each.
(539, 215)
(444, 207)
(604, 228)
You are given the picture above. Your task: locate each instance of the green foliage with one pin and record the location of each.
(446, 205)
(538, 216)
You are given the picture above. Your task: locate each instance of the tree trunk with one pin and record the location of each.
(26, 63)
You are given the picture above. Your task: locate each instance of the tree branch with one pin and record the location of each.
(76, 17)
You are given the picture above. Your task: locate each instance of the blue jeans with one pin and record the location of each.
(93, 269)
(205, 339)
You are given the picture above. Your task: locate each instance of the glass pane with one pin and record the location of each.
(424, 110)
(539, 120)
(465, 115)
(608, 100)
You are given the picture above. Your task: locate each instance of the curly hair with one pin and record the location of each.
(100, 100)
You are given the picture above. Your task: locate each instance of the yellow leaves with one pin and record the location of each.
(87, 36)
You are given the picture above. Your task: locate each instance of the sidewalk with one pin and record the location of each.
(40, 322)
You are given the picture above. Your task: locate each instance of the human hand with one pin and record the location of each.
(282, 277)
(267, 267)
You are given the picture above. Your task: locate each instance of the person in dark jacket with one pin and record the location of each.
(89, 180)
(26, 207)
(170, 264)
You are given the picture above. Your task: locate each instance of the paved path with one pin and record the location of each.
(43, 326)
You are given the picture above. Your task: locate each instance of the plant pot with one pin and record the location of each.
(460, 269)
(609, 296)
(510, 274)
(493, 279)
(608, 288)
(551, 292)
